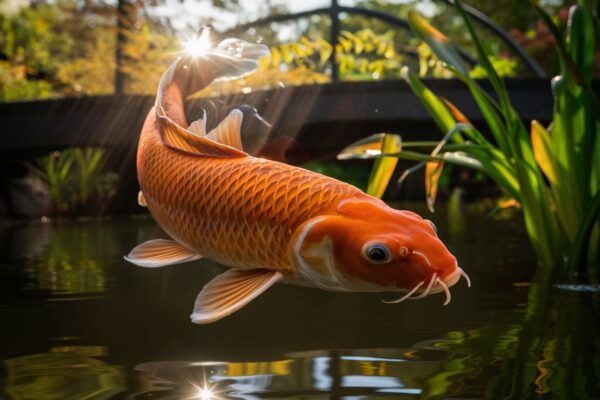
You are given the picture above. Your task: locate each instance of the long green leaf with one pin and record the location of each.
(369, 147)
(580, 245)
(434, 105)
(437, 41)
(581, 41)
(518, 135)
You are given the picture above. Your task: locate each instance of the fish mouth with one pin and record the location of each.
(435, 284)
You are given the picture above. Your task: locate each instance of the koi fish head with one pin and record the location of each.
(368, 246)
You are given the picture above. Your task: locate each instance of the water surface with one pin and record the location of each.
(78, 322)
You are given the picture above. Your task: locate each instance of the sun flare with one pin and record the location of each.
(198, 45)
(205, 394)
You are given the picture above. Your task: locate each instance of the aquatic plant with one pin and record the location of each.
(76, 180)
(553, 172)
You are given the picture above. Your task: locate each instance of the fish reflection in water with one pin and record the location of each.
(323, 373)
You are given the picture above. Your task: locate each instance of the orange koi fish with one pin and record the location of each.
(266, 220)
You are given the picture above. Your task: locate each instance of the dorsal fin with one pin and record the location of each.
(228, 131)
(198, 127)
(178, 138)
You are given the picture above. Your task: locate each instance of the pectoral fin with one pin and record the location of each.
(160, 253)
(229, 292)
(142, 200)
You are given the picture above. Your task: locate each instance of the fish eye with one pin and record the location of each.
(377, 253)
(432, 225)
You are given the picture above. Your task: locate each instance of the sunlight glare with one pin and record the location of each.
(198, 45)
(204, 394)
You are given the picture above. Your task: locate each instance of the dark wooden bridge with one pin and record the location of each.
(322, 118)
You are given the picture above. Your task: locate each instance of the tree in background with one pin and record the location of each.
(73, 48)
(66, 48)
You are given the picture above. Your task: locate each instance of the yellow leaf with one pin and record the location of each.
(509, 203)
(326, 50)
(287, 54)
(423, 26)
(540, 141)
(456, 113)
(275, 57)
(363, 65)
(384, 166)
(433, 171)
(358, 45)
(391, 51)
(346, 44)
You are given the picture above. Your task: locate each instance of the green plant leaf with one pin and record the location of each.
(436, 107)
(369, 147)
(437, 41)
(384, 166)
(580, 245)
(581, 41)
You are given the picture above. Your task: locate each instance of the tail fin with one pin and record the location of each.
(230, 59)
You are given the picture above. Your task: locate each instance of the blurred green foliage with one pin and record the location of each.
(77, 181)
(554, 172)
(67, 48)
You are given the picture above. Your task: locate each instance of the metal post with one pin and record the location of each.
(334, 13)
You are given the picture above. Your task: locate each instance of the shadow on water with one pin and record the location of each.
(80, 323)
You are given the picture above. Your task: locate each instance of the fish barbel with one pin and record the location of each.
(267, 220)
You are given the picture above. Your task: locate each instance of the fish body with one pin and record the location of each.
(240, 212)
(267, 220)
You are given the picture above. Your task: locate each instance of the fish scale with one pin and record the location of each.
(240, 212)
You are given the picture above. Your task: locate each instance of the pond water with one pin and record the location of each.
(78, 322)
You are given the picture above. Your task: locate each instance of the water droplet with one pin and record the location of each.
(376, 110)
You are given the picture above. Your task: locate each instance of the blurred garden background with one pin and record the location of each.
(110, 55)
(56, 49)
(482, 115)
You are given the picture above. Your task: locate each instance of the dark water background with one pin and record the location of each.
(78, 322)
